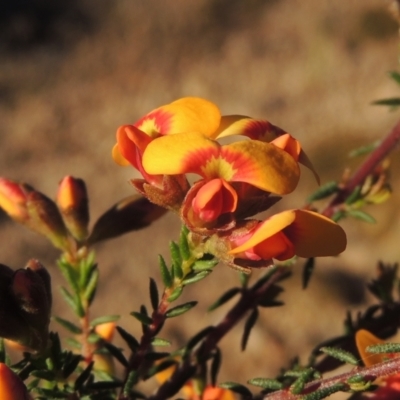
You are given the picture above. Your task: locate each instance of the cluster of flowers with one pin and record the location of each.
(237, 181)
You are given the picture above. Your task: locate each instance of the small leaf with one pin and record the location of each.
(198, 337)
(308, 269)
(90, 289)
(224, 298)
(165, 274)
(265, 383)
(324, 191)
(325, 392)
(339, 354)
(184, 244)
(248, 327)
(104, 385)
(103, 320)
(117, 353)
(175, 294)
(215, 366)
(153, 294)
(68, 325)
(363, 150)
(129, 339)
(2, 351)
(393, 102)
(395, 76)
(44, 374)
(155, 356)
(179, 310)
(143, 318)
(201, 265)
(244, 279)
(196, 277)
(354, 196)
(384, 348)
(236, 387)
(71, 366)
(70, 274)
(160, 367)
(83, 376)
(338, 215)
(305, 376)
(160, 342)
(175, 252)
(361, 215)
(73, 301)
(132, 379)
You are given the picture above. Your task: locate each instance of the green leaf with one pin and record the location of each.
(68, 325)
(184, 244)
(159, 367)
(392, 101)
(132, 379)
(325, 392)
(160, 342)
(339, 354)
(156, 355)
(244, 279)
(129, 339)
(324, 191)
(224, 298)
(179, 310)
(354, 195)
(70, 274)
(104, 385)
(215, 366)
(363, 150)
(117, 353)
(198, 337)
(201, 265)
(70, 366)
(395, 76)
(104, 319)
(192, 278)
(305, 376)
(44, 374)
(2, 351)
(154, 298)
(338, 215)
(165, 274)
(73, 301)
(384, 348)
(361, 215)
(143, 318)
(90, 289)
(248, 327)
(265, 383)
(308, 269)
(83, 377)
(176, 259)
(236, 387)
(176, 293)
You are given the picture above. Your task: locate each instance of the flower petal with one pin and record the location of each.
(189, 114)
(257, 129)
(364, 339)
(260, 164)
(314, 235)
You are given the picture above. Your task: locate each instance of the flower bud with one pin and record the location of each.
(25, 305)
(72, 201)
(46, 219)
(13, 198)
(11, 386)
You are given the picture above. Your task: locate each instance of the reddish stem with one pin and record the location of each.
(386, 146)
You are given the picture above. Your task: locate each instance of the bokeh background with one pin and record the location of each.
(72, 72)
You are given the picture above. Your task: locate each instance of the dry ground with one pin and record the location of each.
(71, 74)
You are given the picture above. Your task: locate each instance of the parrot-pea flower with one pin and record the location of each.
(285, 235)
(389, 387)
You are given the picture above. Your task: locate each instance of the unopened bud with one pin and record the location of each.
(106, 330)
(46, 219)
(11, 386)
(13, 196)
(72, 201)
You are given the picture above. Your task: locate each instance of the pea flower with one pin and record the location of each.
(282, 236)
(255, 163)
(389, 387)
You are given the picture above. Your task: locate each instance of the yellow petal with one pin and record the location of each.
(364, 339)
(314, 235)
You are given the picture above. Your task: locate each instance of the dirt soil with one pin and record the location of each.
(72, 72)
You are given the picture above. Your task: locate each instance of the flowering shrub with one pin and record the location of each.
(219, 210)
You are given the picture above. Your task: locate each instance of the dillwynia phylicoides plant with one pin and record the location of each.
(233, 183)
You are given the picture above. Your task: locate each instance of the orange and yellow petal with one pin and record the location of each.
(189, 114)
(260, 164)
(214, 198)
(257, 129)
(310, 234)
(364, 339)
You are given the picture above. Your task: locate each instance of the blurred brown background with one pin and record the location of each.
(72, 72)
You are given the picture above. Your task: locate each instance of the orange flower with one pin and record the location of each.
(289, 233)
(11, 386)
(389, 388)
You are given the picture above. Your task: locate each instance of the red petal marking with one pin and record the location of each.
(126, 146)
(216, 197)
(157, 122)
(277, 246)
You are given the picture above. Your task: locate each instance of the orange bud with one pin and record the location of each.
(13, 196)
(11, 386)
(106, 330)
(72, 201)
